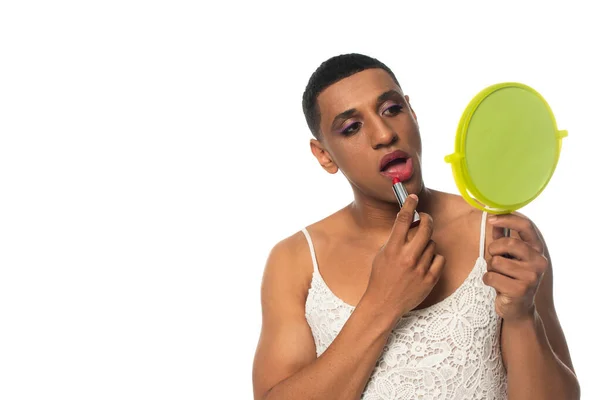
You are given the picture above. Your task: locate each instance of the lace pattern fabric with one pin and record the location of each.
(450, 350)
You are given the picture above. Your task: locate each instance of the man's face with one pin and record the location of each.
(363, 118)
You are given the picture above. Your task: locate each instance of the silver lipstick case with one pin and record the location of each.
(401, 195)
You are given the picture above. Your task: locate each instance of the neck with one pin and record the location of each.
(377, 216)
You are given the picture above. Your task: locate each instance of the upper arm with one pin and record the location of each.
(286, 344)
(544, 303)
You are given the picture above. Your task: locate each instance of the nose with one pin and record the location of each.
(382, 134)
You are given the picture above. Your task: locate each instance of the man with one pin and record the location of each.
(361, 305)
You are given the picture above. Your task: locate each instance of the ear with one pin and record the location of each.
(323, 156)
(411, 109)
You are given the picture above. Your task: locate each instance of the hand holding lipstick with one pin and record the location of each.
(405, 270)
(401, 195)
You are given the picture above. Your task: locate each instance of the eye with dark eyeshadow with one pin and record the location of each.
(394, 109)
(350, 128)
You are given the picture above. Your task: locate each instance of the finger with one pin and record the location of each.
(423, 235)
(498, 232)
(427, 256)
(514, 247)
(522, 225)
(437, 265)
(403, 220)
(512, 269)
(503, 284)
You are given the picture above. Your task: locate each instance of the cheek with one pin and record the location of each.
(353, 161)
(350, 152)
(416, 141)
(408, 129)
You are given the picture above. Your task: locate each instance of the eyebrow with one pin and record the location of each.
(390, 94)
(380, 100)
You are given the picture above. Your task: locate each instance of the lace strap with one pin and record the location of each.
(312, 249)
(482, 235)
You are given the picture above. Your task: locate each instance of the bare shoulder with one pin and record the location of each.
(288, 268)
(289, 263)
(456, 212)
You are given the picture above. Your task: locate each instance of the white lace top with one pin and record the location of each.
(450, 350)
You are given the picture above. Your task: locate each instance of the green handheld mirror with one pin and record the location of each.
(507, 148)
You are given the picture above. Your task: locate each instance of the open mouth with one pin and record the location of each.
(398, 162)
(401, 168)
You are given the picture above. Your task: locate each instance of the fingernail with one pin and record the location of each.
(493, 218)
(414, 196)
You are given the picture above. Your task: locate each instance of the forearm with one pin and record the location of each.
(534, 371)
(343, 370)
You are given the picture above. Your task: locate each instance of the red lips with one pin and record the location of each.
(394, 155)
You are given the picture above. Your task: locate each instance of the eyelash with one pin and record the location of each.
(345, 132)
(394, 105)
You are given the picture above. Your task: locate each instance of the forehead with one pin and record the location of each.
(356, 91)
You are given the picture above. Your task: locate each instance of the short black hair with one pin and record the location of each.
(329, 72)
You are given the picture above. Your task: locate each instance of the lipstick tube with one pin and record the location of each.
(401, 195)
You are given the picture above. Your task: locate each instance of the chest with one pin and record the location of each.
(448, 350)
(345, 265)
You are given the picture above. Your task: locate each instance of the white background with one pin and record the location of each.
(152, 153)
